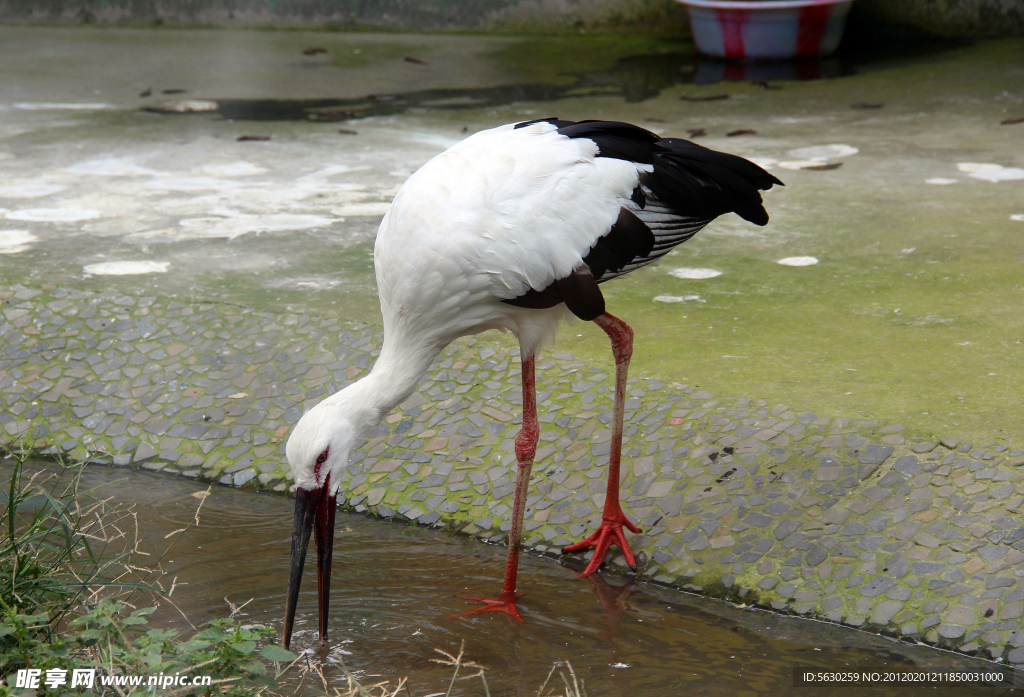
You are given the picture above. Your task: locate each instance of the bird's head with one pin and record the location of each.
(319, 447)
(318, 450)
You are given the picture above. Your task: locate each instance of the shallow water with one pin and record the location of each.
(395, 587)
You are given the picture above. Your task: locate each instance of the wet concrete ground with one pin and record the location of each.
(911, 314)
(249, 294)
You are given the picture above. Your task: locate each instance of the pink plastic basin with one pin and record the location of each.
(767, 29)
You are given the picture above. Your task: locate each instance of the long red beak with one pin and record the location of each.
(311, 506)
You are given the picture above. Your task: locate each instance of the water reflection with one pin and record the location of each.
(615, 602)
(709, 71)
(634, 78)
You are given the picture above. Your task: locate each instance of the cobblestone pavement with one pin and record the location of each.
(817, 515)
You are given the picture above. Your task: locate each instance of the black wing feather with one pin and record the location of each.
(554, 120)
(615, 139)
(629, 238)
(690, 186)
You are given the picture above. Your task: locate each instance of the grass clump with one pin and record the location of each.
(56, 543)
(128, 656)
(76, 592)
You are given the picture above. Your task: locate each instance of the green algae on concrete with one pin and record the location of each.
(651, 16)
(817, 515)
(912, 336)
(912, 312)
(555, 60)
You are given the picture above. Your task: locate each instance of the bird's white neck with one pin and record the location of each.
(394, 376)
(337, 424)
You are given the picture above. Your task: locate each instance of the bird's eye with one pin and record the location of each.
(322, 457)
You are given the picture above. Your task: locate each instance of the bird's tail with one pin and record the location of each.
(692, 180)
(707, 183)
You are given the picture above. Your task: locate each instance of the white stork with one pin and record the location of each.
(513, 228)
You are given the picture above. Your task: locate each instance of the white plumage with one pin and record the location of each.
(501, 212)
(503, 231)
(504, 211)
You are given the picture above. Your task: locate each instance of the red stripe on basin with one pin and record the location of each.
(732, 22)
(811, 30)
(735, 71)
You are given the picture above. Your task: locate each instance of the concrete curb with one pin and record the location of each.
(819, 516)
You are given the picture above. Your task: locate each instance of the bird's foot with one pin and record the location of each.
(506, 603)
(610, 532)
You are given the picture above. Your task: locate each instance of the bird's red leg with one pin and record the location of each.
(613, 519)
(526, 447)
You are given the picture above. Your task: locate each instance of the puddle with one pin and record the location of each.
(990, 172)
(15, 241)
(824, 152)
(45, 106)
(798, 261)
(235, 169)
(230, 228)
(67, 214)
(709, 71)
(678, 298)
(126, 268)
(696, 274)
(110, 167)
(30, 190)
(394, 588)
(634, 78)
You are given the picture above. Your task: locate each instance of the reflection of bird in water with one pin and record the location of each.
(513, 228)
(614, 603)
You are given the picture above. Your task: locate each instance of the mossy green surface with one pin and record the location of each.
(736, 498)
(555, 60)
(928, 337)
